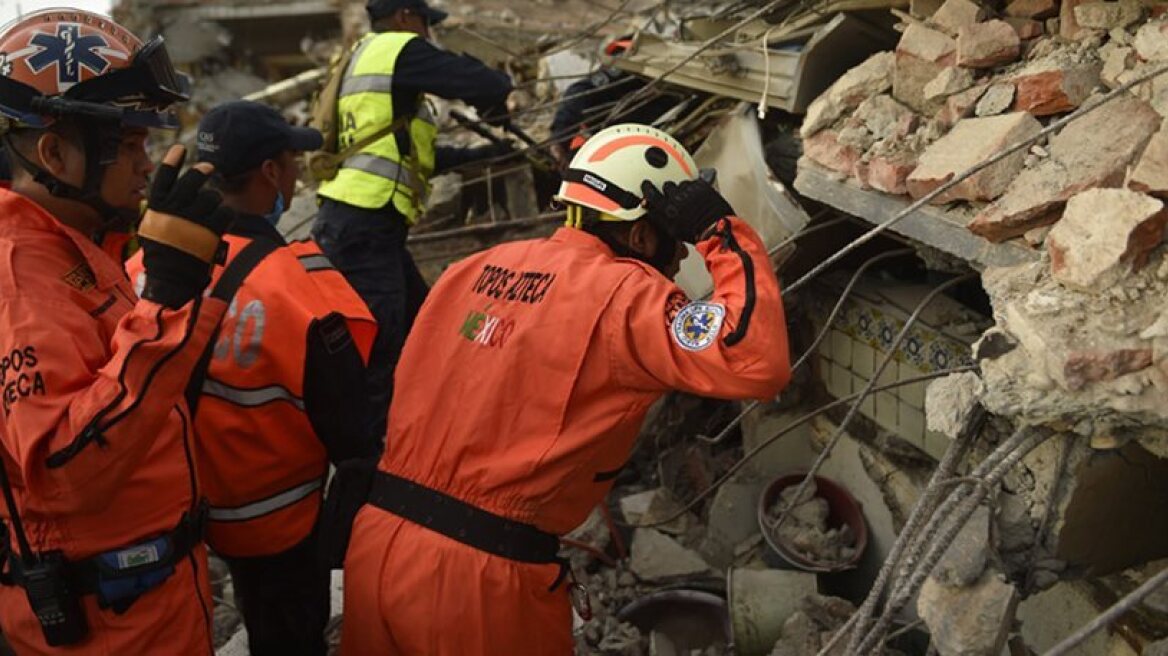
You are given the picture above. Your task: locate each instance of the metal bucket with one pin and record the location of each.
(760, 602)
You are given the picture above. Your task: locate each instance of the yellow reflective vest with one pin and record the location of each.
(379, 172)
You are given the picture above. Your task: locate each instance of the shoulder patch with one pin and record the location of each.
(697, 325)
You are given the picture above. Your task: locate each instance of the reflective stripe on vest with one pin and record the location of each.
(265, 506)
(250, 398)
(316, 263)
(379, 174)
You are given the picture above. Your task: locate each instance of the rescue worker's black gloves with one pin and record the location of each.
(684, 211)
(180, 234)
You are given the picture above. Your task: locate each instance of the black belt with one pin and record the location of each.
(85, 575)
(465, 523)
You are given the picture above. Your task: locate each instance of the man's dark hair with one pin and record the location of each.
(591, 223)
(233, 184)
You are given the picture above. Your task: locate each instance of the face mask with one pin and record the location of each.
(278, 208)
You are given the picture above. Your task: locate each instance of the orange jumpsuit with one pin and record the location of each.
(521, 390)
(94, 432)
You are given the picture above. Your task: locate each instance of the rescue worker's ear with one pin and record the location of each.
(50, 149)
(643, 238)
(270, 169)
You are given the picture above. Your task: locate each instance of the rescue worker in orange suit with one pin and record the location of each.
(285, 390)
(521, 391)
(102, 540)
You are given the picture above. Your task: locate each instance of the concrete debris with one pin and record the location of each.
(1151, 42)
(956, 14)
(1108, 15)
(826, 149)
(624, 639)
(971, 141)
(1151, 172)
(966, 558)
(927, 44)
(961, 105)
(950, 401)
(1158, 648)
(995, 100)
(658, 557)
(805, 529)
(1091, 152)
(911, 76)
(1091, 254)
(807, 630)
(885, 118)
(948, 82)
(987, 45)
(733, 519)
(970, 621)
(872, 77)
(1032, 8)
(1026, 28)
(1069, 28)
(1015, 526)
(1116, 60)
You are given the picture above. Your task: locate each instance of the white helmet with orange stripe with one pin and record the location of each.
(607, 172)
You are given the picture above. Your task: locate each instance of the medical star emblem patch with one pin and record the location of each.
(698, 325)
(69, 51)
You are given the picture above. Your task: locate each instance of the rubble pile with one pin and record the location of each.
(805, 530)
(809, 628)
(962, 85)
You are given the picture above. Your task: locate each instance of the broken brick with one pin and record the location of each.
(1026, 28)
(927, 44)
(1151, 173)
(970, 142)
(845, 94)
(889, 173)
(1047, 87)
(1108, 15)
(956, 14)
(1032, 8)
(1103, 235)
(1085, 367)
(986, 45)
(1091, 152)
(824, 148)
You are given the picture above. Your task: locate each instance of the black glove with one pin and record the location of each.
(178, 262)
(684, 211)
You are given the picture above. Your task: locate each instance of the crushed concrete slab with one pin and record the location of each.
(1152, 41)
(966, 558)
(1105, 234)
(1108, 15)
(1032, 8)
(950, 401)
(987, 45)
(996, 100)
(872, 77)
(910, 77)
(1151, 172)
(967, 144)
(1091, 152)
(1050, 86)
(658, 557)
(956, 14)
(972, 621)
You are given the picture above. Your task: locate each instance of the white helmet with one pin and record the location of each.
(607, 172)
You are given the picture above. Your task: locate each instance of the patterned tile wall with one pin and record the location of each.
(860, 338)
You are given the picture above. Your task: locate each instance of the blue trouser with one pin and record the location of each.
(368, 247)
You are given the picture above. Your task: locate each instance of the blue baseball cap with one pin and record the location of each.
(240, 135)
(382, 8)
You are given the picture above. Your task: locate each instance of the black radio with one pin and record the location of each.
(57, 608)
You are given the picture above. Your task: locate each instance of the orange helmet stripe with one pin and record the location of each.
(605, 151)
(585, 195)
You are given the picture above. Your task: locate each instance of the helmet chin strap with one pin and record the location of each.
(100, 140)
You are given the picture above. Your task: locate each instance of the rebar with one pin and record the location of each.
(1110, 615)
